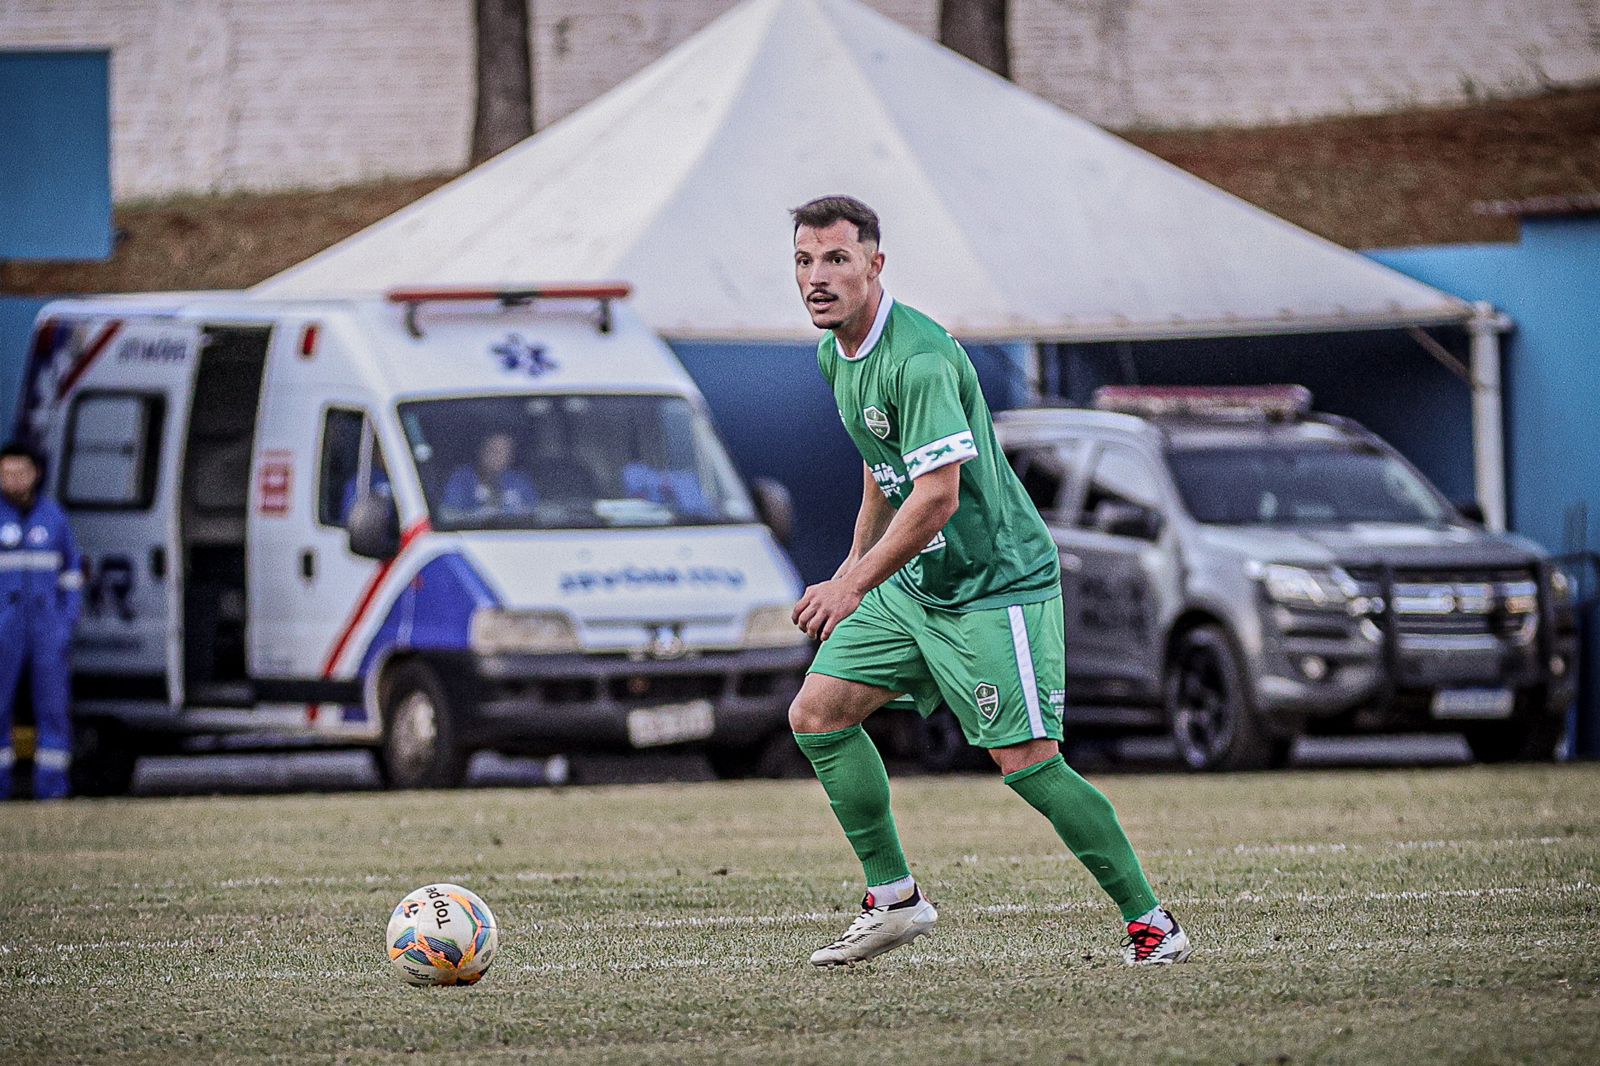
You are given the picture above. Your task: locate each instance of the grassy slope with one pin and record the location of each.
(1353, 917)
(1365, 182)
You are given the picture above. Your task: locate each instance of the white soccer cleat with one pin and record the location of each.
(1151, 945)
(877, 930)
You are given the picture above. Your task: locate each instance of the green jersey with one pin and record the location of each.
(910, 401)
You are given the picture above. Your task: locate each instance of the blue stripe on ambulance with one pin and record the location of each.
(432, 613)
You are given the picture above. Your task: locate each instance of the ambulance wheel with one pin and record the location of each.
(420, 745)
(104, 757)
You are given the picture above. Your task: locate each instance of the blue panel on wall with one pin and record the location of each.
(1550, 286)
(55, 155)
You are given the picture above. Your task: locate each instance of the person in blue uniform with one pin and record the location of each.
(41, 593)
(492, 485)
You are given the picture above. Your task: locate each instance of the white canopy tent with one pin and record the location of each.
(1004, 217)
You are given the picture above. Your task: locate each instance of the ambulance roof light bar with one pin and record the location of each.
(604, 292)
(1273, 403)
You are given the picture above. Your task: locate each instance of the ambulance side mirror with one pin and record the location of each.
(374, 528)
(776, 508)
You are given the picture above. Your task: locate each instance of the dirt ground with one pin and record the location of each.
(1370, 182)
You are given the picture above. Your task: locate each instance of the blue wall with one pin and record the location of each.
(55, 155)
(16, 322)
(1549, 283)
(779, 420)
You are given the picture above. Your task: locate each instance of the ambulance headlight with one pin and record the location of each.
(770, 627)
(496, 631)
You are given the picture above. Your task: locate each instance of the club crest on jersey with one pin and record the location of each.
(877, 421)
(988, 698)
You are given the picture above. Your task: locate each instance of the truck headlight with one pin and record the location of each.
(770, 627)
(496, 631)
(1299, 586)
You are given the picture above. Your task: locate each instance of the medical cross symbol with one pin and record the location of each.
(517, 354)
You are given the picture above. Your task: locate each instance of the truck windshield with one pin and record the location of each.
(571, 462)
(1302, 486)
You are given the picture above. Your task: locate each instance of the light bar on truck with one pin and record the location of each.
(1272, 402)
(604, 292)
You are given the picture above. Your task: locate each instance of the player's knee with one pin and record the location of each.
(1016, 757)
(800, 713)
(806, 715)
(814, 712)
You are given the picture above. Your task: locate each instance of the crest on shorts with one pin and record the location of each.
(988, 698)
(877, 421)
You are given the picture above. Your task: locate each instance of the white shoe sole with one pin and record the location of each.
(923, 919)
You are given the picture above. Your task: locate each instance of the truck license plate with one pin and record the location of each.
(651, 727)
(1473, 703)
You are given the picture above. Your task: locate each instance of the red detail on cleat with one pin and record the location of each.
(1146, 939)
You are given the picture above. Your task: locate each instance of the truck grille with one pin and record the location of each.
(1455, 603)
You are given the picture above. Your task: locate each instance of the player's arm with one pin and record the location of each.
(933, 501)
(934, 498)
(871, 520)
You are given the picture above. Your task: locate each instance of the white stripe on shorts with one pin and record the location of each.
(1030, 685)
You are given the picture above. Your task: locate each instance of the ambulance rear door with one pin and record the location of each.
(116, 442)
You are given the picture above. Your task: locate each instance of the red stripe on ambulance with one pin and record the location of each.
(90, 354)
(370, 595)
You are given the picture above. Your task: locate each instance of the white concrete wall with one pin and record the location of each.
(219, 95)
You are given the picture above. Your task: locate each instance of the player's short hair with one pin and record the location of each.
(824, 211)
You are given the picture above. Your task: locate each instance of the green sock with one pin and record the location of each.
(852, 774)
(1087, 823)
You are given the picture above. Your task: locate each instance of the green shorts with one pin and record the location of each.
(1002, 671)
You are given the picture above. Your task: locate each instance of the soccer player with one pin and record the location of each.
(951, 591)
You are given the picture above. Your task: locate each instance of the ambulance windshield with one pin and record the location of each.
(571, 462)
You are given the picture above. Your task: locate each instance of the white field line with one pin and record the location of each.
(770, 920)
(1328, 847)
(1247, 898)
(756, 962)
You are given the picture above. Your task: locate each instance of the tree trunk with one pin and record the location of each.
(977, 29)
(505, 77)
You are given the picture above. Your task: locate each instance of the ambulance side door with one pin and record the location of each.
(317, 453)
(116, 443)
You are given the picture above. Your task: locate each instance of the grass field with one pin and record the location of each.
(1339, 917)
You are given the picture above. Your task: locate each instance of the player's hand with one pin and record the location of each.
(824, 606)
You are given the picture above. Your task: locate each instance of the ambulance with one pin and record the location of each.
(433, 522)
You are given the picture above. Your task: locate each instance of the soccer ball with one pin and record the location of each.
(442, 935)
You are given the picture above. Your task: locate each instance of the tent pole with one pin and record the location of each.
(1488, 416)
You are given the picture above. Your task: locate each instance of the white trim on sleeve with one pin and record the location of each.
(956, 448)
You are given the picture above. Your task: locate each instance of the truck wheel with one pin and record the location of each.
(1209, 711)
(1528, 740)
(420, 746)
(104, 757)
